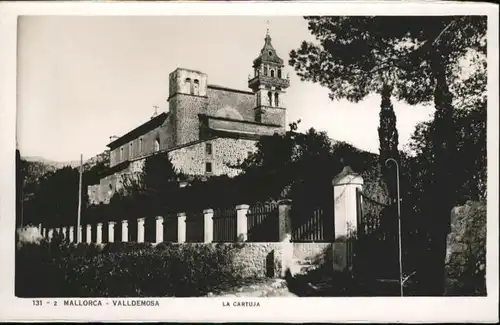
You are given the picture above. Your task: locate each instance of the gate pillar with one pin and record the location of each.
(140, 230)
(345, 185)
(124, 231)
(159, 229)
(285, 235)
(181, 227)
(208, 225)
(242, 222)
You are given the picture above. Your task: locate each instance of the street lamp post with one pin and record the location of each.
(399, 223)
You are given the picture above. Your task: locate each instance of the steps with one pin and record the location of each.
(301, 267)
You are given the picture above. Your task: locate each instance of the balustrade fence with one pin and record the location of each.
(259, 223)
(307, 219)
(310, 219)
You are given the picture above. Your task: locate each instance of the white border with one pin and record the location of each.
(272, 309)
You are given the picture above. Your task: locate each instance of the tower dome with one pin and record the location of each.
(229, 112)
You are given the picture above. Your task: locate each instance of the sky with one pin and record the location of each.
(84, 79)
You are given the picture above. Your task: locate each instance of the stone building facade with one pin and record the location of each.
(207, 129)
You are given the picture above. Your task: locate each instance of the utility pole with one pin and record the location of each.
(78, 232)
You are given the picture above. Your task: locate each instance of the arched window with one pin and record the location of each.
(272, 73)
(270, 97)
(276, 100)
(279, 73)
(188, 85)
(196, 87)
(265, 71)
(156, 146)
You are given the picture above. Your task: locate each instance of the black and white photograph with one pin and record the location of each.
(235, 157)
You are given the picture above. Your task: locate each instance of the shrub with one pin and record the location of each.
(28, 235)
(124, 270)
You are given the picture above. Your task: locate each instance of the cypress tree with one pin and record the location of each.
(389, 141)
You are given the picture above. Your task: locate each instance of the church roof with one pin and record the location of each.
(268, 53)
(140, 130)
(229, 112)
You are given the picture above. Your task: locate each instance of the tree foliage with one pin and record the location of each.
(355, 55)
(470, 158)
(55, 201)
(420, 56)
(149, 191)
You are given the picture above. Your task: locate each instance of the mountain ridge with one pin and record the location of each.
(53, 163)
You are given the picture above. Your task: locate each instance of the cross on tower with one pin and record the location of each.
(156, 111)
(267, 23)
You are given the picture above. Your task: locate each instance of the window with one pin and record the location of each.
(249, 154)
(121, 154)
(272, 73)
(265, 71)
(189, 85)
(130, 150)
(196, 87)
(270, 53)
(140, 145)
(208, 148)
(208, 167)
(279, 73)
(258, 116)
(276, 100)
(156, 146)
(270, 98)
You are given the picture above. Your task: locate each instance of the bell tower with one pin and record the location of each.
(269, 85)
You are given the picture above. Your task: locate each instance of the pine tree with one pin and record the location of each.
(424, 53)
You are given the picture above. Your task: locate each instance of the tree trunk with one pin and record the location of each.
(443, 189)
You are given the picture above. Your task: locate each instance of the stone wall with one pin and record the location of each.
(466, 250)
(242, 101)
(191, 160)
(186, 109)
(272, 115)
(109, 185)
(310, 251)
(258, 259)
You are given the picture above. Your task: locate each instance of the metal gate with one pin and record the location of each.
(376, 247)
(313, 216)
(195, 227)
(263, 222)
